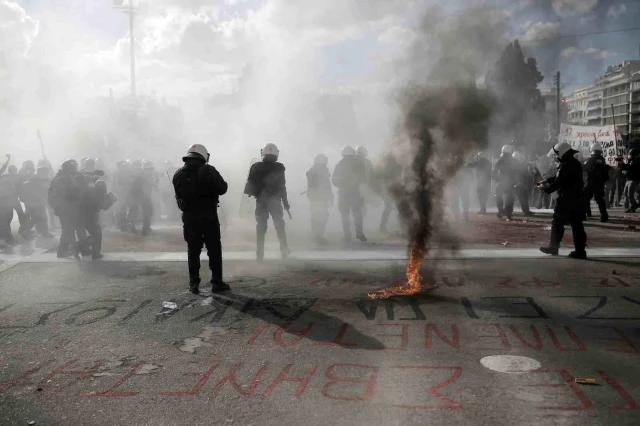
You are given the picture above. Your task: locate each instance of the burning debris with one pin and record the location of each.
(441, 128)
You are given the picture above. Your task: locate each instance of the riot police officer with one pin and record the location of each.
(198, 187)
(569, 206)
(349, 174)
(320, 197)
(266, 182)
(597, 172)
(505, 174)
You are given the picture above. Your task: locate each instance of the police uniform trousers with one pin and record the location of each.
(199, 229)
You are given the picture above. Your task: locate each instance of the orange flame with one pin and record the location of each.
(414, 279)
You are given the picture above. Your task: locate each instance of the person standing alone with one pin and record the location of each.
(198, 187)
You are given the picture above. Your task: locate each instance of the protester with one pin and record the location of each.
(198, 186)
(632, 186)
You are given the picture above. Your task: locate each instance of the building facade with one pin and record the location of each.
(614, 98)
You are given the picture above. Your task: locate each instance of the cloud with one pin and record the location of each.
(592, 53)
(573, 7)
(541, 32)
(597, 54)
(570, 52)
(17, 30)
(615, 11)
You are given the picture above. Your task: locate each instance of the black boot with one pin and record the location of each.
(553, 251)
(194, 286)
(582, 255)
(219, 287)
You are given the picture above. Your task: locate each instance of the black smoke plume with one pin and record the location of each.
(441, 128)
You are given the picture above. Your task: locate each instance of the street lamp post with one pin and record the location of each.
(130, 9)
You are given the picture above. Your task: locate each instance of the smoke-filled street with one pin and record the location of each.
(300, 341)
(337, 212)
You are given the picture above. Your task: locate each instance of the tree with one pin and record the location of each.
(514, 82)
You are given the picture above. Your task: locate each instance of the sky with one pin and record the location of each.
(272, 53)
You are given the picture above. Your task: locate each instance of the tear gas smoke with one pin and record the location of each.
(440, 128)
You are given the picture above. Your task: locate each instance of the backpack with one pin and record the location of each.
(186, 185)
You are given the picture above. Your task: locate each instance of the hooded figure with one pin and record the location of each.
(570, 203)
(198, 187)
(266, 182)
(320, 196)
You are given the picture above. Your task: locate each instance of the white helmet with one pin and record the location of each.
(348, 151)
(270, 149)
(321, 159)
(507, 149)
(197, 151)
(561, 148)
(362, 151)
(596, 146)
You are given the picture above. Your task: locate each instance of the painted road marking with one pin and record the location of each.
(328, 255)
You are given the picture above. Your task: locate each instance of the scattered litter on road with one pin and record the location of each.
(31, 422)
(505, 243)
(547, 228)
(105, 374)
(586, 381)
(147, 368)
(169, 305)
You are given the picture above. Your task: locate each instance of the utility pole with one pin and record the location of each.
(130, 9)
(558, 103)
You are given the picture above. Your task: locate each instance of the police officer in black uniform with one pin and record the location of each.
(198, 187)
(569, 206)
(597, 172)
(266, 182)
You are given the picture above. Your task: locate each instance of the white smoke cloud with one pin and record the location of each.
(541, 32)
(17, 30)
(616, 10)
(573, 7)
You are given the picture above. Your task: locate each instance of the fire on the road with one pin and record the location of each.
(413, 285)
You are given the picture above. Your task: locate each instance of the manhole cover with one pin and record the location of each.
(510, 363)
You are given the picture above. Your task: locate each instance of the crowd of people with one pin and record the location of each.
(73, 197)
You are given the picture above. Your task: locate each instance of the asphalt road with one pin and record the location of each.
(299, 343)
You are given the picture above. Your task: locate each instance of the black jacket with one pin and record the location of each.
(198, 187)
(349, 174)
(567, 181)
(597, 171)
(632, 169)
(266, 179)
